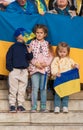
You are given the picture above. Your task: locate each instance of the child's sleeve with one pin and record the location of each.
(34, 60)
(54, 67)
(9, 58)
(49, 59)
(73, 63)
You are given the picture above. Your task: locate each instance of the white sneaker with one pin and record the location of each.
(56, 109)
(65, 109)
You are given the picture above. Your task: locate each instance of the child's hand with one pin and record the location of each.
(76, 66)
(29, 49)
(58, 74)
(44, 64)
(38, 65)
(42, 13)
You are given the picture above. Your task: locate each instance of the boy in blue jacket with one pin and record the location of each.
(17, 61)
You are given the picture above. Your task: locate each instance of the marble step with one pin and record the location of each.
(71, 118)
(74, 105)
(40, 127)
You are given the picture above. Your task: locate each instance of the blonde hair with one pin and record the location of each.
(64, 45)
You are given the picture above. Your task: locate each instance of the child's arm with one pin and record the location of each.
(29, 53)
(9, 58)
(74, 64)
(48, 60)
(55, 68)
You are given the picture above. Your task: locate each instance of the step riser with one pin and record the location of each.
(41, 127)
(62, 118)
(43, 118)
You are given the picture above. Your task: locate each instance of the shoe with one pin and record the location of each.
(57, 110)
(21, 109)
(12, 109)
(65, 109)
(44, 110)
(33, 111)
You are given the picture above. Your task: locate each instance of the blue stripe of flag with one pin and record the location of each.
(67, 76)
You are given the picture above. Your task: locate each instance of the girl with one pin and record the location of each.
(62, 63)
(40, 66)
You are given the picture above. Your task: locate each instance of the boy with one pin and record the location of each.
(17, 61)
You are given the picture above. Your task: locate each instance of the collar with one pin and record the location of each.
(62, 12)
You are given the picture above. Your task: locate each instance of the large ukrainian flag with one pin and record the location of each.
(61, 28)
(68, 83)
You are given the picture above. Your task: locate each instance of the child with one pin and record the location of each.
(17, 59)
(40, 67)
(62, 63)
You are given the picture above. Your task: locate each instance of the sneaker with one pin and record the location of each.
(44, 110)
(65, 109)
(12, 109)
(33, 111)
(57, 110)
(21, 109)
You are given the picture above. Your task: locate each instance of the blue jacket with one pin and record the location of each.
(14, 7)
(18, 57)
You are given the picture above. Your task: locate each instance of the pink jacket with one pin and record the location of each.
(40, 54)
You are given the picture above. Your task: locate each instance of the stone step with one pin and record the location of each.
(4, 95)
(40, 127)
(71, 118)
(74, 105)
(4, 84)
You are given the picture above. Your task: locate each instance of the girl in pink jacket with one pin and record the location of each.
(40, 67)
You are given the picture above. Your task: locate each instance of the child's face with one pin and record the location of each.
(40, 34)
(62, 52)
(20, 39)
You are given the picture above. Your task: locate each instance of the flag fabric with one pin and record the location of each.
(60, 28)
(79, 5)
(42, 7)
(45, 80)
(68, 83)
(47, 2)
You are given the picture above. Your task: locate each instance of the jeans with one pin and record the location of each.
(38, 82)
(63, 102)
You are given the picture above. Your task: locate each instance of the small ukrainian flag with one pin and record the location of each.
(68, 83)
